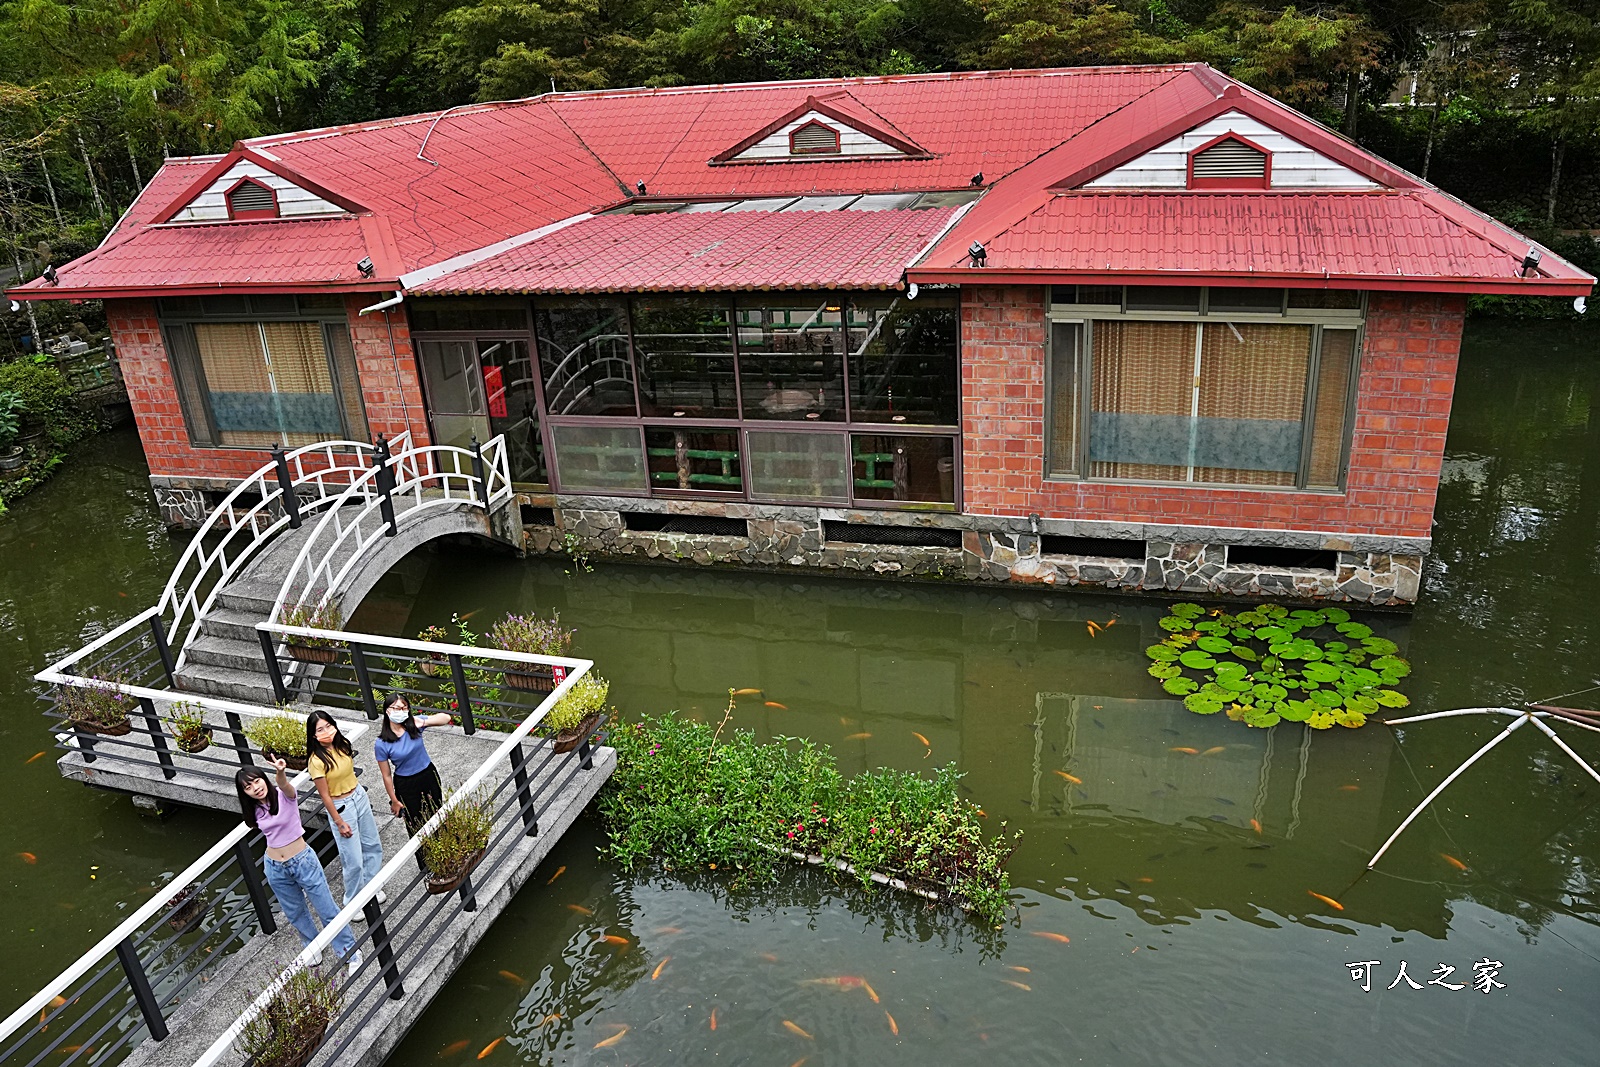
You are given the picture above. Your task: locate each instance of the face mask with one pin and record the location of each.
(399, 715)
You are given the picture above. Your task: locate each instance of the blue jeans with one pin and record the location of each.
(360, 854)
(297, 880)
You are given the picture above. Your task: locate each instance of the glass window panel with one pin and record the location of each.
(1330, 411)
(460, 316)
(1102, 295)
(904, 468)
(583, 355)
(1066, 339)
(599, 458)
(513, 405)
(190, 377)
(1141, 398)
(903, 358)
(224, 305)
(811, 468)
(1251, 403)
(700, 460)
(268, 383)
(449, 371)
(1163, 298)
(684, 349)
(1253, 301)
(1325, 299)
(791, 362)
(337, 337)
(317, 302)
(272, 304)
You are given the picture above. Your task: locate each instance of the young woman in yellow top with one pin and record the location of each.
(331, 761)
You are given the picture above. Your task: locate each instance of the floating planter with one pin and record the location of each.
(457, 845)
(313, 617)
(281, 736)
(1270, 665)
(290, 1029)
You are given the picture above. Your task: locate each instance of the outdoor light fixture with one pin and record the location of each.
(640, 187)
(18, 307)
(977, 179)
(1530, 262)
(50, 274)
(365, 267)
(979, 254)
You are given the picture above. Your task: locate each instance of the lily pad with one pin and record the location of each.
(1389, 698)
(1195, 659)
(1162, 653)
(1391, 665)
(1173, 623)
(1202, 704)
(1336, 615)
(1262, 719)
(1309, 617)
(1271, 633)
(1186, 611)
(1380, 646)
(1350, 718)
(1320, 672)
(1356, 630)
(1327, 698)
(1244, 652)
(1164, 670)
(1320, 720)
(1180, 686)
(1297, 710)
(1214, 644)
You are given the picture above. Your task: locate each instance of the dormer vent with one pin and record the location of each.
(1229, 162)
(251, 199)
(814, 139)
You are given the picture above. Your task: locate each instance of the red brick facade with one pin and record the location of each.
(389, 389)
(1402, 412)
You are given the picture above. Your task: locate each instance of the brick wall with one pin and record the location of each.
(389, 387)
(1402, 412)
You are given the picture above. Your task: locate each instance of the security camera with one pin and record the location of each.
(365, 267)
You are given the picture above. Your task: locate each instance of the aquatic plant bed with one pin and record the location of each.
(1270, 665)
(691, 798)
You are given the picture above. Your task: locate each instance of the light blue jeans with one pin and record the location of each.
(360, 854)
(296, 881)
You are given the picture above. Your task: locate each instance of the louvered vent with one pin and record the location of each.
(814, 139)
(251, 198)
(1230, 161)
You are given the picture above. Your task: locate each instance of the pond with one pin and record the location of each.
(1165, 910)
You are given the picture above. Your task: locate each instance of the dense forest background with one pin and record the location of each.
(1498, 101)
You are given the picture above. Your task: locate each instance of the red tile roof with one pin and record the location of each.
(734, 250)
(434, 187)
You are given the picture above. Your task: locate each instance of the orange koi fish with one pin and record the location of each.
(1093, 629)
(580, 909)
(1063, 938)
(1452, 861)
(659, 968)
(28, 858)
(35, 756)
(607, 1042)
(1348, 788)
(858, 737)
(801, 1062)
(1019, 985)
(844, 981)
(1074, 779)
(513, 978)
(559, 872)
(894, 1027)
(924, 740)
(613, 939)
(1109, 624)
(793, 1029)
(1214, 749)
(713, 1018)
(454, 1048)
(667, 931)
(747, 692)
(1147, 881)
(775, 704)
(769, 957)
(1185, 749)
(1020, 969)
(873, 993)
(490, 1047)
(1327, 900)
(1255, 824)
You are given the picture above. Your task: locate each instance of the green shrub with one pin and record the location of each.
(188, 724)
(10, 419)
(465, 829)
(294, 1020)
(587, 695)
(47, 397)
(282, 735)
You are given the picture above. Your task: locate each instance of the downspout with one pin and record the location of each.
(383, 305)
(394, 354)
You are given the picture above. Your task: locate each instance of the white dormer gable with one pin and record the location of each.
(1293, 165)
(292, 201)
(782, 144)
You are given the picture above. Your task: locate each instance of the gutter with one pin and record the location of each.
(383, 304)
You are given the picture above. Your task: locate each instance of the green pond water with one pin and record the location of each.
(1192, 936)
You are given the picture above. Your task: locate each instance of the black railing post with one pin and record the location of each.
(477, 472)
(519, 773)
(269, 653)
(469, 899)
(168, 664)
(158, 739)
(253, 885)
(385, 478)
(463, 698)
(291, 503)
(358, 660)
(85, 744)
(241, 744)
(143, 995)
(380, 943)
(585, 755)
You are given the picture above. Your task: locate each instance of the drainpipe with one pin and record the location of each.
(384, 304)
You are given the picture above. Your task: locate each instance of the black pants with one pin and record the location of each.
(421, 793)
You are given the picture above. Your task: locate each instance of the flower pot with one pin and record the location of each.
(12, 459)
(440, 884)
(302, 1052)
(114, 730)
(293, 763)
(188, 911)
(313, 654)
(196, 741)
(433, 666)
(529, 682)
(567, 740)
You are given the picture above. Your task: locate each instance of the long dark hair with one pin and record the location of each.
(339, 744)
(247, 803)
(386, 728)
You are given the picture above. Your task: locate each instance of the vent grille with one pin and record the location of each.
(814, 139)
(252, 197)
(1230, 159)
(704, 525)
(906, 536)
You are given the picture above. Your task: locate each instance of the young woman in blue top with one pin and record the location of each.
(408, 773)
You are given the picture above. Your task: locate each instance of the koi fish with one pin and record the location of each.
(28, 857)
(1348, 788)
(775, 704)
(1452, 861)
(1093, 629)
(613, 939)
(1214, 749)
(793, 1029)
(1255, 824)
(713, 1018)
(1025, 988)
(1327, 900)
(490, 1047)
(1063, 938)
(1185, 749)
(454, 1048)
(769, 957)
(659, 968)
(858, 737)
(747, 692)
(801, 1062)
(983, 813)
(669, 930)
(844, 981)
(1147, 881)
(35, 756)
(1020, 969)
(873, 993)
(513, 978)
(607, 1042)
(894, 1027)
(1109, 624)
(919, 737)
(559, 872)
(580, 909)
(1074, 779)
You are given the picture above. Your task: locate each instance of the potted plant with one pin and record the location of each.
(573, 719)
(457, 844)
(289, 1030)
(534, 636)
(12, 455)
(100, 707)
(434, 663)
(188, 725)
(187, 906)
(281, 736)
(324, 616)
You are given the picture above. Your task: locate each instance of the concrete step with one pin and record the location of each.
(227, 652)
(234, 625)
(208, 679)
(241, 600)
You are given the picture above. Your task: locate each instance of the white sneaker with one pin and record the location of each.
(355, 962)
(383, 898)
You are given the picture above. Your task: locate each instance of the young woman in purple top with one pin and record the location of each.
(293, 870)
(409, 775)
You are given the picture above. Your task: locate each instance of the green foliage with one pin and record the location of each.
(45, 396)
(293, 1021)
(98, 705)
(464, 830)
(690, 798)
(281, 735)
(1268, 665)
(587, 696)
(188, 725)
(313, 616)
(10, 419)
(531, 635)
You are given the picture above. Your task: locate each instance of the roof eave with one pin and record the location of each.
(935, 275)
(34, 291)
